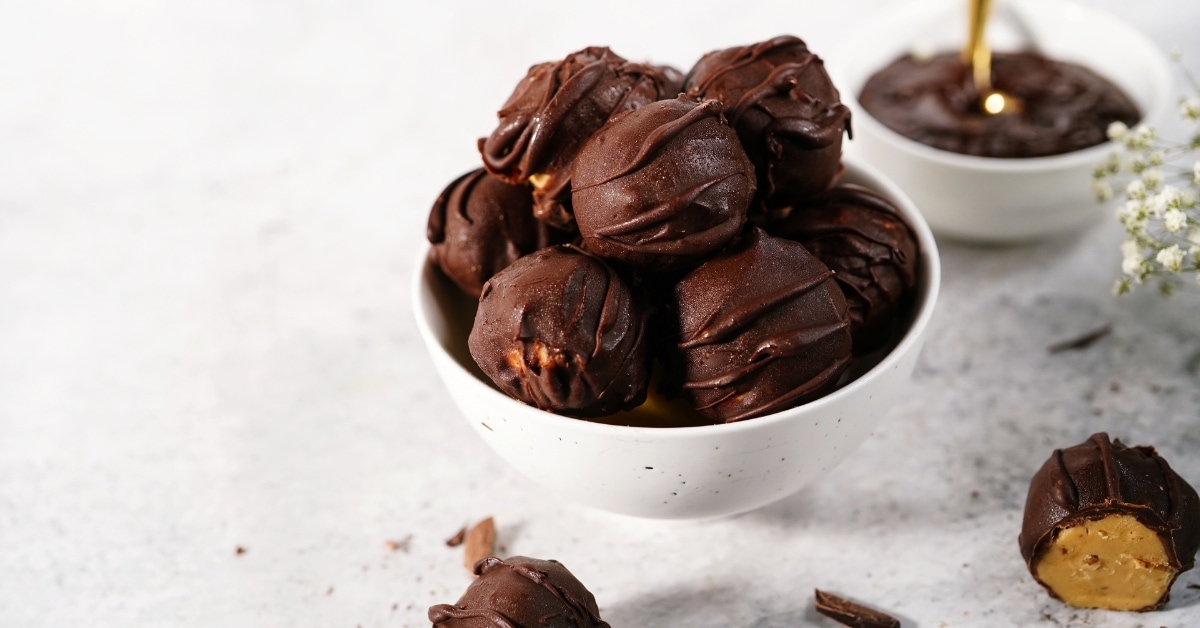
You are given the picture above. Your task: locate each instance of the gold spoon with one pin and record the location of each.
(979, 57)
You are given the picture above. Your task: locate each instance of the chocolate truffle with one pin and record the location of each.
(1065, 107)
(479, 225)
(662, 186)
(553, 111)
(786, 112)
(861, 236)
(560, 330)
(521, 592)
(761, 327)
(1109, 526)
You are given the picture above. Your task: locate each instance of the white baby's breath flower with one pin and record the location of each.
(1102, 189)
(1196, 173)
(1193, 236)
(1141, 136)
(1117, 131)
(1190, 108)
(1153, 178)
(1132, 263)
(1136, 189)
(1171, 258)
(1176, 53)
(1174, 220)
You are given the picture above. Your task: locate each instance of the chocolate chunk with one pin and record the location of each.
(559, 329)
(762, 327)
(786, 111)
(521, 592)
(479, 225)
(1109, 526)
(849, 613)
(663, 186)
(861, 236)
(553, 111)
(1065, 106)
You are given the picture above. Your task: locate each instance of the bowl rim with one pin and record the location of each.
(1157, 105)
(927, 296)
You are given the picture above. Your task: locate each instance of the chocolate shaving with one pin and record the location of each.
(458, 537)
(1194, 585)
(1082, 342)
(239, 550)
(851, 614)
(480, 542)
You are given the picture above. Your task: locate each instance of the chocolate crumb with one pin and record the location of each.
(402, 544)
(458, 537)
(1114, 386)
(1082, 342)
(480, 542)
(329, 591)
(239, 550)
(852, 614)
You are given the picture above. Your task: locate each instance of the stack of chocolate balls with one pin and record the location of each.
(630, 218)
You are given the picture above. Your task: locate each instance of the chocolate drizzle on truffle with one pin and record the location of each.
(662, 186)
(553, 111)
(479, 225)
(559, 329)
(862, 238)
(1066, 107)
(521, 592)
(1129, 496)
(762, 327)
(786, 111)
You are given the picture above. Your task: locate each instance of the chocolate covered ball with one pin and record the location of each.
(662, 186)
(553, 111)
(479, 225)
(559, 329)
(521, 592)
(1109, 526)
(861, 236)
(786, 112)
(761, 328)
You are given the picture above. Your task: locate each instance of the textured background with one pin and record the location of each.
(208, 217)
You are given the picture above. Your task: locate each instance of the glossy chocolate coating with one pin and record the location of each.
(479, 225)
(553, 111)
(662, 186)
(786, 111)
(762, 327)
(1101, 477)
(1066, 107)
(521, 592)
(861, 236)
(560, 330)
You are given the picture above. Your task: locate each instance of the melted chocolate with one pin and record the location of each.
(786, 112)
(872, 251)
(521, 592)
(761, 328)
(1101, 477)
(1066, 107)
(662, 186)
(479, 225)
(553, 111)
(560, 330)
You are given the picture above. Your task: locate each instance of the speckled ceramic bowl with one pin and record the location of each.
(681, 472)
(991, 199)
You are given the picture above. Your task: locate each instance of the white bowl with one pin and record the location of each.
(994, 199)
(678, 472)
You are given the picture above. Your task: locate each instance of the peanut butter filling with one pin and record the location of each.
(1115, 563)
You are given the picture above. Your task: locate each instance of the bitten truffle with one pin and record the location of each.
(662, 186)
(861, 236)
(786, 111)
(1109, 526)
(479, 225)
(521, 592)
(762, 327)
(559, 329)
(553, 111)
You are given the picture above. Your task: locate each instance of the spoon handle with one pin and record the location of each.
(977, 53)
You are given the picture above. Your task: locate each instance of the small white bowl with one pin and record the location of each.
(679, 472)
(988, 199)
